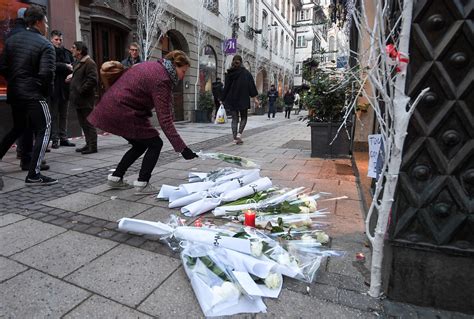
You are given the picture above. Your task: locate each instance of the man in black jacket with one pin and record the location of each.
(28, 64)
(217, 89)
(59, 100)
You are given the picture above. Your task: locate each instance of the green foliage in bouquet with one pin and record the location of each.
(211, 265)
(206, 102)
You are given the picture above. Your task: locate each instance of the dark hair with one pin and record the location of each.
(34, 14)
(236, 62)
(81, 47)
(56, 33)
(178, 57)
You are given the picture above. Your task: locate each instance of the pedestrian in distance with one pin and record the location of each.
(28, 64)
(84, 80)
(217, 90)
(239, 88)
(125, 110)
(297, 105)
(272, 97)
(288, 99)
(133, 55)
(59, 99)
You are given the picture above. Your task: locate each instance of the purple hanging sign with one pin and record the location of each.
(230, 46)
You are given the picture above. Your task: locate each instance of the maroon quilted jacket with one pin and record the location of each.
(125, 109)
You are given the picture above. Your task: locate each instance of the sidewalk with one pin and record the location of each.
(62, 256)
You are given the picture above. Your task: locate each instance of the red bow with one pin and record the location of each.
(397, 57)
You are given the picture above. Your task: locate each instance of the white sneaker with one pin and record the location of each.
(145, 188)
(238, 138)
(116, 182)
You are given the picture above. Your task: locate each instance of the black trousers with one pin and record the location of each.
(152, 147)
(271, 109)
(235, 121)
(35, 116)
(288, 111)
(59, 110)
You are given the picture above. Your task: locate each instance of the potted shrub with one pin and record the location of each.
(205, 107)
(325, 101)
(263, 99)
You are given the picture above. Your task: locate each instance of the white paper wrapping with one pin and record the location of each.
(144, 227)
(186, 200)
(196, 176)
(252, 188)
(200, 207)
(196, 187)
(171, 192)
(224, 210)
(248, 263)
(213, 238)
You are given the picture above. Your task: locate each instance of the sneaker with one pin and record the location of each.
(239, 139)
(115, 182)
(40, 180)
(145, 188)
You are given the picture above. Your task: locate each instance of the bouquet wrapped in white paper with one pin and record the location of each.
(217, 291)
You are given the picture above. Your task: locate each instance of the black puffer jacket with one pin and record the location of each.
(28, 64)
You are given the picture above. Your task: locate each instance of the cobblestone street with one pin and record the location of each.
(61, 254)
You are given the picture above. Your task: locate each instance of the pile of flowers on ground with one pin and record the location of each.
(271, 232)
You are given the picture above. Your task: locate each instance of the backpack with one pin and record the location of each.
(110, 71)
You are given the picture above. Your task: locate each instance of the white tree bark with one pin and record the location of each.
(383, 86)
(151, 19)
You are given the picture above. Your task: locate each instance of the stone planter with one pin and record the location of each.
(321, 136)
(202, 116)
(259, 111)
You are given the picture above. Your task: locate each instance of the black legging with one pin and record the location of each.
(235, 121)
(287, 111)
(152, 146)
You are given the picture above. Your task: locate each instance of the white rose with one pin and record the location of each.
(273, 281)
(322, 237)
(224, 292)
(307, 239)
(284, 259)
(256, 247)
(304, 209)
(313, 206)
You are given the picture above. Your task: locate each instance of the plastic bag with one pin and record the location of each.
(221, 116)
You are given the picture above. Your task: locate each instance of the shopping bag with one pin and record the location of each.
(221, 116)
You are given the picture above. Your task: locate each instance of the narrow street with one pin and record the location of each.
(62, 255)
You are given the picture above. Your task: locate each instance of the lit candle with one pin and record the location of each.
(249, 218)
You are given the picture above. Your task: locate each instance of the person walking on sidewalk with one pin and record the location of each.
(84, 80)
(59, 99)
(125, 110)
(239, 87)
(272, 97)
(28, 64)
(297, 105)
(289, 99)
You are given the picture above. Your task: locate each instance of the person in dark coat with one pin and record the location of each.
(84, 80)
(288, 99)
(133, 55)
(272, 97)
(28, 64)
(59, 99)
(125, 110)
(239, 87)
(217, 89)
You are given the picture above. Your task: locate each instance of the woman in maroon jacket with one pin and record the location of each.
(125, 110)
